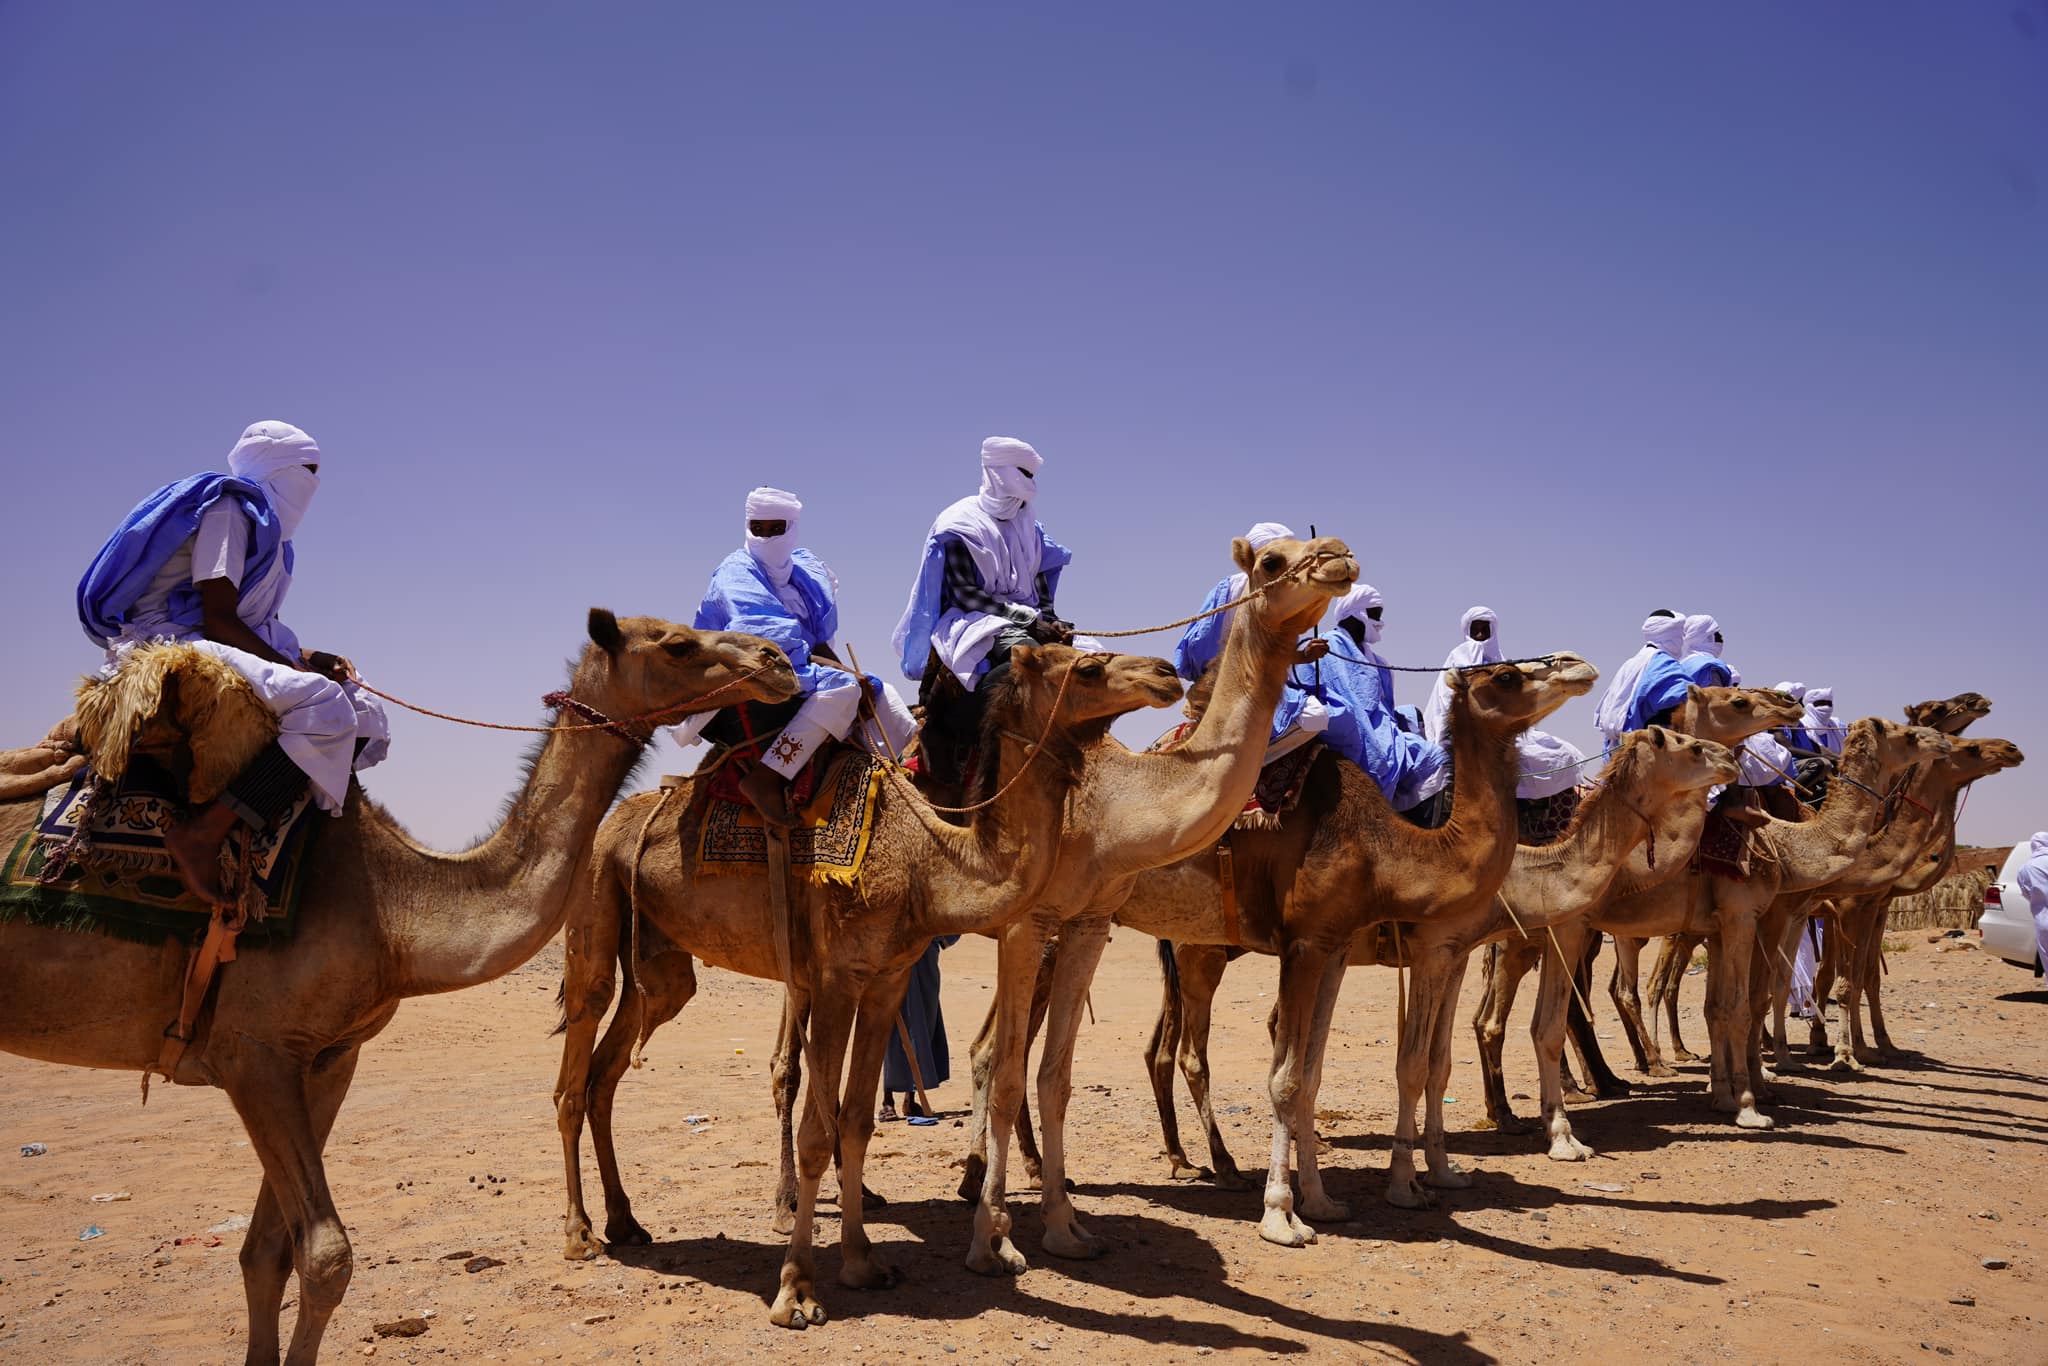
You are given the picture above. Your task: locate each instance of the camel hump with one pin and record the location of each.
(178, 704)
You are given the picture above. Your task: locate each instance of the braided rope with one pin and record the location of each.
(598, 720)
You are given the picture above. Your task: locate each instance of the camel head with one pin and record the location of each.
(1895, 747)
(1300, 579)
(1098, 687)
(1506, 698)
(1969, 760)
(1670, 763)
(637, 665)
(1732, 715)
(1951, 716)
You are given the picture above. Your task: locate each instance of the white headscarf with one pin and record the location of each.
(1820, 718)
(1436, 716)
(1265, 533)
(773, 553)
(1798, 690)
(2033, 876)
(1354, 605)
(1007, 467)
(275, 455)
(1702, 634)
(1661, 635)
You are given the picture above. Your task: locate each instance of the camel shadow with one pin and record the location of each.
(1149, 1259)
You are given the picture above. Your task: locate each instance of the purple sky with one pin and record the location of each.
(1574, 310)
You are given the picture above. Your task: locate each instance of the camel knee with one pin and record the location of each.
(326, 1263)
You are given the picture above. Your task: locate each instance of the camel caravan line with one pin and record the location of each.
(1055, 834)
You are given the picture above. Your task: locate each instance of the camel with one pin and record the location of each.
(1654, 782)
(1121, 812)
(383, 919)
(1299, 883)
(35, 769)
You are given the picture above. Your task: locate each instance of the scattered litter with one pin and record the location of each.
(700, 1128)
(1606, 1187)
(1450, 1100)
(1802, 1252)
(1967, 1301)
(476, 1264)
(33, 1149)
(923, 1122)
(400, 1328)
(234, 1223)
(111, 1197)
(461, 1256)
(1994, 1264)
(698, 1119)
(591, 1320)
(92, 1231)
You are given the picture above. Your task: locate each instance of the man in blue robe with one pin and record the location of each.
(771, 588)
(1301, 715)
(1364, 728)
(207, 561)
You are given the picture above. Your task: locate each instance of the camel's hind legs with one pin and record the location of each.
(669, 981)
(1506, 965)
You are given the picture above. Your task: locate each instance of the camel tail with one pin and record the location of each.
(1169, 969)
(561, 1009)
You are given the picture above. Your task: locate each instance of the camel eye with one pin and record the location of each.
(1273, 564)
(1088, 670)
(1742, 704)
(681, 649)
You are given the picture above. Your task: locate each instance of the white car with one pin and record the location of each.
(2007, 924)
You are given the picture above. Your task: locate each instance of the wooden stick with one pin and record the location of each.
(860, 679)
(916, 1072)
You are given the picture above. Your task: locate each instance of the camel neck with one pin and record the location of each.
(452, 921)
(1817, 851)
(981, 875)
(1561, 880)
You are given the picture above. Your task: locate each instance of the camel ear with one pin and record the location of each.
(604, 631)
(1027, 659)
(1657, 736)
(1241, 553)
(1692, 693)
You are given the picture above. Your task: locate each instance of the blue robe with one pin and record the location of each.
(1665, 680)
(1365, 729)
(741, 598)
(926, 606)
(926, 1024)
(1202, 644)
(152, 532)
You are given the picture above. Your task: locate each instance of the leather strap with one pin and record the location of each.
(1226, 875)
(216, 948)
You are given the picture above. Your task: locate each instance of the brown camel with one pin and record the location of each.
(1340, 860)
(383, 919)
(1654, 781)
(34, 770)
(1124, 812)
(856, 944)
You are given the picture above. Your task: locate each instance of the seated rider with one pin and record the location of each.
(984, 586)
(1663, 634)
(207, 561)
(1301, 715)
(1548, 765)
(1364, 728)
(773, 589)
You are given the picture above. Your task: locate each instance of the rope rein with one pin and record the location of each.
(561, 700)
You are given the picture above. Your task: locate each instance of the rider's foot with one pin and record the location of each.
(194, 846)
(769, 793)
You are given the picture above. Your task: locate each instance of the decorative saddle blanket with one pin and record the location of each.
(1280, 782)
(114, 876)
(1724, 847)
(835, 821)
(1543, 820)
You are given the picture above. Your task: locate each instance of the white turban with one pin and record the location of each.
(1007, 467)
(773, 553)
(275, 455)
(1436, 714)
(1702, 636)
(1354, 605)
(1265, 533)
(1661, 634)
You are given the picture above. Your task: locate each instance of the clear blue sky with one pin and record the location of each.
(1575, 310)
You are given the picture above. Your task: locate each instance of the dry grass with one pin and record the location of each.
(1954, 903)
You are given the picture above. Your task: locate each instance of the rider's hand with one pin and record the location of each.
(1312, 650)
(336, 667)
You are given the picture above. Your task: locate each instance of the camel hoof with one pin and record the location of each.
(870, 1200)
(1450, 1176)
(1231, 1179)
(784, 1223)
(1574, 1095)
(1659, 1069)
(998, 1258)
(1565, 1148)
(625, 1231)
(972, 1179)
(1508, 1122)
(1679, 1053)
(581, 1247)
(870, 1275)
(1750, 1119)
(1284, 1230)
(1845, 1063)
(1075, 1244)
(1180, 1169)
(795, 1309)
(1408, 1194)
(1324, 1210)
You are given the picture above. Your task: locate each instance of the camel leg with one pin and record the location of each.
(1736, 949)
(1824, 972)
(670, 980)
(1849, 1048)
(1622, 986)
(1770, 929)
(880, 1006)
(786, 1079)
(1443, 1173)
(1506, 965)
(1873, 981)
(1672, 984)
(1781, 998)
(1081, 943)
(1159, 1055)
(1019, 950)
(1301, 975)
(1411, 1071)
(280, 1107)
(266, 1255)
(982, 1061)
(831, 1012)
(1041, 999)
(590, 953)
(1654, 1012)
(1546, 1034)
(1315, 1202)
(1601, 1083)
(1201, 973)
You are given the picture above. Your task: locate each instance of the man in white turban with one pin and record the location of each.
(1301, 715)
(1663, 634)
(772, 588)
(1549, 765)
(207, 561)
(2033, 885)
(1820, 720)
(984, 586)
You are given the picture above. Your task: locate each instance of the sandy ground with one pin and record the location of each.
(1855, 1232)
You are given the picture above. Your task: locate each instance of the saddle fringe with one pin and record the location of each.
(181, 705)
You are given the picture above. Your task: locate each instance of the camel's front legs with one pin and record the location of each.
(880, 1006)
(1506, 965)
(1546, 1034)
(1427, 985)
(1622, 986)
(1734, 1086)
(1873, 979)
(669, 980)
(786, 1079)
(830, 1012)
(267, 1248)
(280, 1107)
(1850, 1052)
(1081, 943)
(1443, 1173)
(1302, 967)
(1316, 1203)
(590, 953)
(1018, 950)
(975, 1172)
